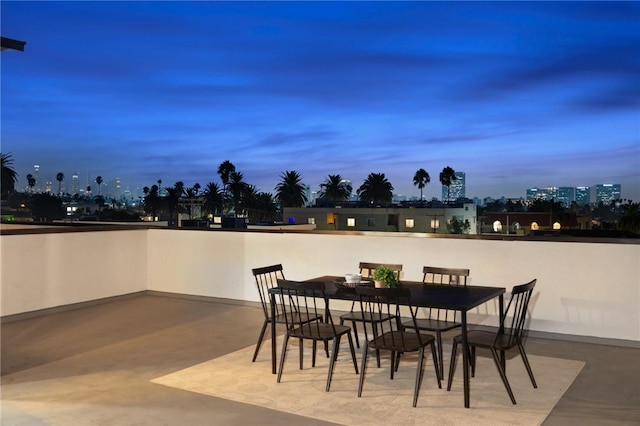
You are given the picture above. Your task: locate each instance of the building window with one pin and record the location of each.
(497, 226)
(311, 221)
(534, 226)
(557, 225)
(409, 223)
(371, 222)
(351, 221)
(331, 219)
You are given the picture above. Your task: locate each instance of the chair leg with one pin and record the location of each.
(332, 363)
(353, 352)
(260, 338)
(313, 355)
(436, 363)
(440, 356)
(452, 364)
(393, 364)
(355, 333)
(419, 375)
(301, 350)
(282, 356)
(472, 360)
(363, 367)
(527, 365)
(503, 376)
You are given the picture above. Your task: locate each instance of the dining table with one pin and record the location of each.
(456, 298)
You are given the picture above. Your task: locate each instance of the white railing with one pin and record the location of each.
(584, 288)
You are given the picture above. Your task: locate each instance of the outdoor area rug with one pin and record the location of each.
(384, 401)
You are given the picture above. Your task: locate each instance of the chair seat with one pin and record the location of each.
(320, 331)
(401, 341)
(297, 318)
(486, 339)
(432, 324)
(368, 317)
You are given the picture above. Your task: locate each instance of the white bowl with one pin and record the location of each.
(352, 278)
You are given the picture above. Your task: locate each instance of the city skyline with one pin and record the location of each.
(514, 94)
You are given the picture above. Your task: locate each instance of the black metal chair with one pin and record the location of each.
(267, 277)
(440, 320)
(391, 336)
(510, 334)
(308, 299)
(366, 269)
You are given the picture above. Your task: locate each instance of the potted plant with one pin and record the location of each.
(385, 277)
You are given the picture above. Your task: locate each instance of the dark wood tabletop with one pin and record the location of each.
(459, 298)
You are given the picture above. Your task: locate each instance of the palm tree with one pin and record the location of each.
(421, 179)
(31, 182)
(447, 176)
(224, 170)
(236, 187)
(376, 189)
(59, 178)
(334, 188)
(9, 176)
(151, 201)
(290, 192)
(213, 198)
(99, 182)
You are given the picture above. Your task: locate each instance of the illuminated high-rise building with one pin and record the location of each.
(607, 192)
(36, 175)
(545, 194)
(583, 195)
(566, 195)
(456, 190)
(75, 183)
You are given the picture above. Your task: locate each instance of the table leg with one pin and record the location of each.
(465, 358)
(272, 298)
(501, 314)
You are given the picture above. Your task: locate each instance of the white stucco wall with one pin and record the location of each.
(584, 288)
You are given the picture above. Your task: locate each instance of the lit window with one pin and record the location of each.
(534, 226)
(516, 226)
(217, 219)
(557, 225)
(311, 221)
(351, 221)
(331, 219)
(409, 223)
(497, 226)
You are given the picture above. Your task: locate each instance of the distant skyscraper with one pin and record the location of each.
(36, 175)
(75, 183)
(456, 190)
(608, 192)
(48, 185)
(566, 195)
(583, 195)
(545, 194)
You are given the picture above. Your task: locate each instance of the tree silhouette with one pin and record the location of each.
(99, 182)
(334, 188)
(376, 189)
(290, 192)
(9, 176)
(447, 177)
(421, 179)
(60, 178)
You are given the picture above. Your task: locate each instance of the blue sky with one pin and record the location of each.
(515, 94)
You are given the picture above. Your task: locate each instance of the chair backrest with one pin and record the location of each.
(444, 276)
(303, 300)
(515, 315)
(382, 302)
(267, 277)
(367, 268)
(432, 275)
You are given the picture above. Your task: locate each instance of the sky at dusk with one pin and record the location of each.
(514, 94)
